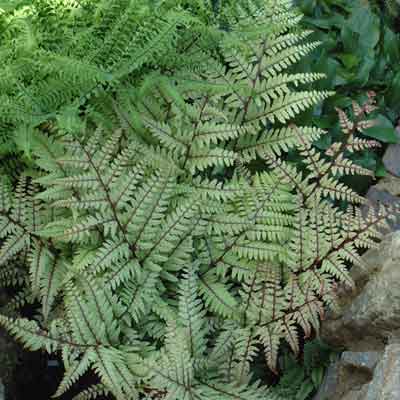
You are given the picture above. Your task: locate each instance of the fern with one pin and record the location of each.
(173, 243)
(301, 378)
(59, 58)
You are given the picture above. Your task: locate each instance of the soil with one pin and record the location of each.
(37, 376)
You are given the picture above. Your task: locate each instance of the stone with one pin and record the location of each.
(366, 360)
(390, 184)
(346, 379)
(364, 376)
(386, 381)
(373, 310)
(391, 158)
(2, 392)
(330, 383)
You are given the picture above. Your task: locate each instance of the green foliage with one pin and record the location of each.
(160, 224)
(302, 378)
(359, 52)
(62, 58)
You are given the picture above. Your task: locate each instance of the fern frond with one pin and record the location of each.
(111, 366)
(217, 296)
(277, 141)
(174, 222)
(191, 314)
(75, 371)
(93, 392)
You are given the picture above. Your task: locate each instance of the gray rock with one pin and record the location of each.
(346, 378)
(330, 383)
(2, 394)
(391, 158)
(366, 360)
(386, 381)
(371, 313)
(373, 376)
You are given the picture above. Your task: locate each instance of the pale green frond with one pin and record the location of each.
(123, 188)
(259, 250)
(245, 350)
(138, 294)
(111, 366)
(287, 107)
(334, 266)
(51, 281)
(5, 196)
(29, 333)
(113, 251)
(201, 160)
(75, 371)
(270, 336)
(148, 206)
(277, 141)
(224, 391)
(86, 327)
(174, 371)
(12, 245)
(217, 296)
(191, 313)
(174, 230)
(93, 392)
(122, 272)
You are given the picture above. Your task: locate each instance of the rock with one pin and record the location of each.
(368, 327)
(386, 381)
(390, 184)
(346, 380)
(364, 376)
(2, 395)
(330, 383)
(366, 360)
(391, 158)
(372, 312)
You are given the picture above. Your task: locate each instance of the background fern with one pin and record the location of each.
(62, 58)
(302, 377)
